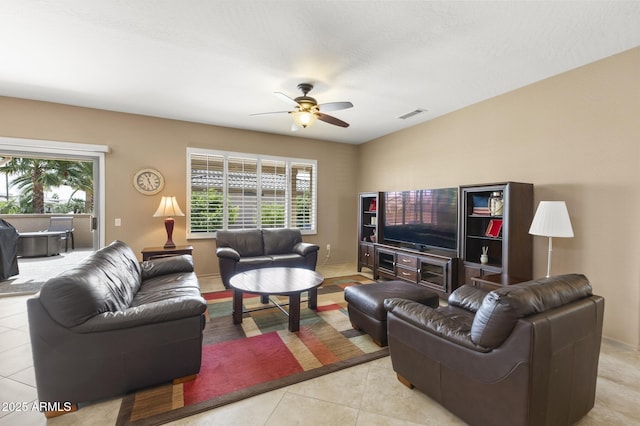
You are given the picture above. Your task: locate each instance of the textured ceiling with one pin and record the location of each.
(217, 62)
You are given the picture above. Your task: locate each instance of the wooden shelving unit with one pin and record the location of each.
(504, 234)
(368, 230)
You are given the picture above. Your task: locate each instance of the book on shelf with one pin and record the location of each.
(481, 211)
(494, 228)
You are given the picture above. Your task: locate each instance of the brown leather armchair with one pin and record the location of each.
(525, 354)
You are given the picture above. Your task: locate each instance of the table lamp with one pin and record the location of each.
(551, 220)
(168, 208)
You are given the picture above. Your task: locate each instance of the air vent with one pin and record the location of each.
(412, 113)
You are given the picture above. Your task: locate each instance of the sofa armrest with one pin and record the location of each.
(166, 265)
(304, 249)
(432, 321)
(151, 313)
(228, 253)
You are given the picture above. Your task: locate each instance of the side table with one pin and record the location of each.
(154, 252)
(495, 281)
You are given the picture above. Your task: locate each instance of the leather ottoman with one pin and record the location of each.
(365, 303)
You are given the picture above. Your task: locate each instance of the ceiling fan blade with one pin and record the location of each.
(272, 112)
(286, 98)
(335, 106)
(332, 120)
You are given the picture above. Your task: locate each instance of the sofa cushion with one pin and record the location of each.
(247, 263)
(176, 300)
(468, 297)
(106, 281)
(280, 241)
(287, 260)
(166, 265)
(247, 242)
(165, 287)
(450, 323)
(503, 307)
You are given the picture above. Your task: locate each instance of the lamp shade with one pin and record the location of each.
(168, 208)
(551, 220)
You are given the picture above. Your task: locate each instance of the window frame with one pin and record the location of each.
(289, 162)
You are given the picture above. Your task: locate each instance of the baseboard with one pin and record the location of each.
(619, 344)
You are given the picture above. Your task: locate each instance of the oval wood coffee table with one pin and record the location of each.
(278, 282)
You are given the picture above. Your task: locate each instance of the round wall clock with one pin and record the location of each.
(148, 181)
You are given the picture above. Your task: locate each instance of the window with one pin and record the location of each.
(243, 191)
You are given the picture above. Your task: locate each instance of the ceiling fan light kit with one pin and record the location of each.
(304, 119)
(307, 111)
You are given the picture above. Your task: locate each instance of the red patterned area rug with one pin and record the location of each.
(259, 355)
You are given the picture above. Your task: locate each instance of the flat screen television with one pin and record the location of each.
(423, 219)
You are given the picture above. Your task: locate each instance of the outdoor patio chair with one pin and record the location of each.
(63, 224)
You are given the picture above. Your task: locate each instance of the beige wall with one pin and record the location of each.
(137, 141)
(576, 137)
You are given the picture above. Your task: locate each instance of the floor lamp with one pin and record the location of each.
(551, 220)
(168, 208)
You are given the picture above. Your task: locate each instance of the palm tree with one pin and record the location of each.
(79, 176)
(33, 177)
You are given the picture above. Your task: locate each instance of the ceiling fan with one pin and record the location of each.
(307, 110)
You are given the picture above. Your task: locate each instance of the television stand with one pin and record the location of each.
(435, 269)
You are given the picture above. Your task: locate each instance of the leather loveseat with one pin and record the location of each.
(243, 250)
(111, 325)
(526, 354)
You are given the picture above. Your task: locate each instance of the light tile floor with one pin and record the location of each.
(367, 394)
(33, 271)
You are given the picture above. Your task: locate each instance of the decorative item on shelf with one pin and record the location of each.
(494, 228)
(496, 204)
(480, 205)
(168, 208)
(373, 237)
(374, 221)
(484, 257)
(373, 206)
(551, 220)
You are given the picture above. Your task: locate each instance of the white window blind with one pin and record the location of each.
(244, 191)
(273, 200)
(303, 196)
(206, 190)
(242, 200)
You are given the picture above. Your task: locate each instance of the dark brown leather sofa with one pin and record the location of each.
(246, 249)
(111, 325)
(526, 354)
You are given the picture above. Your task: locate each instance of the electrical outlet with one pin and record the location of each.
(118, 222)
(328, 247)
